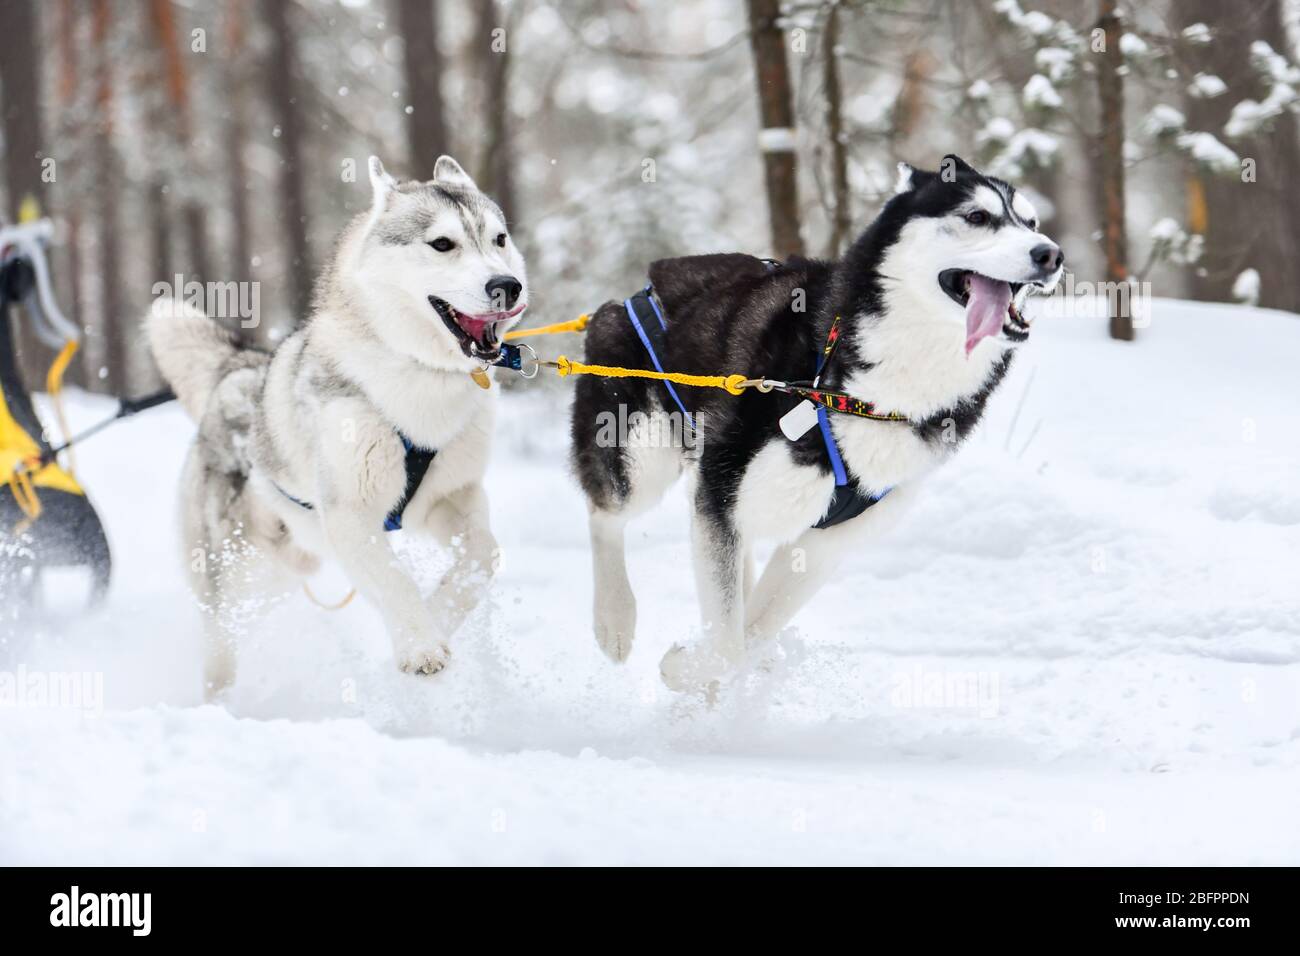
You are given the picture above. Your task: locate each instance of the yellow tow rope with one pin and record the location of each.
(24, 492)
(573, 325)
(336, 606)
(54, 388)
(735, 384)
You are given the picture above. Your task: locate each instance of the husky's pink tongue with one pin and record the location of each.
(476, 325)
(986, 309)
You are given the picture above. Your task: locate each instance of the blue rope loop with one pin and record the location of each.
(647, 294)
(832, 449)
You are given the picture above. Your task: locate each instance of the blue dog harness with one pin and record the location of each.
(417, 465)
(848, 500)
(419, 459)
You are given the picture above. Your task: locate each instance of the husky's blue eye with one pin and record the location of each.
(978, 218)
(501, 239)
(442, 244)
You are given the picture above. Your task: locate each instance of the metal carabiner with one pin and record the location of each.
(524, 369)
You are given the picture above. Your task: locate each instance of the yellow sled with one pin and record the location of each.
(46, 520)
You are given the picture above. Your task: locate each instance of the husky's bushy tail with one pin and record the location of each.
(192, 351)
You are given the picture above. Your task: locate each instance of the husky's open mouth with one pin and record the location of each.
(989, 303)
(479, 335)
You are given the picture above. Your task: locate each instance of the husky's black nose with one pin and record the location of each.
(1047, 256)
(503, 291)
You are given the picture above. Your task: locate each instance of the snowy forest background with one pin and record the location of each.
(219, 140)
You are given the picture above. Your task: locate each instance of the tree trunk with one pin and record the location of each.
(76, 373)
(426, 130)
(776, 114)
(906, 116)
(69, 276)
(20, 86)
(163, 18)
(841, 213)
(281, 83)
(160, 235)
(114, 328)
(1110, 160)
(495, 173)
(236, 138)
(20, 83)
(196, 237)
(1245, 224)
(152, 82)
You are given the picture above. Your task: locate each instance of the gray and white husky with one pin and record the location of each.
(376, 412)
(929, 303)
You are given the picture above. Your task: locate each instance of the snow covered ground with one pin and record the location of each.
(1083, 647)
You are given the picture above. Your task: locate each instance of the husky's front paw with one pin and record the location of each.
(424, 662)
(215, 691)
(614, 634)
(693, 669)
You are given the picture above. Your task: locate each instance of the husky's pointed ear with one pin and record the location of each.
(906, 178)
(910, 179)
(447, 171)
(380, 182)
(953, 164)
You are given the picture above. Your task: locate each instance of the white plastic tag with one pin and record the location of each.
(797, 421)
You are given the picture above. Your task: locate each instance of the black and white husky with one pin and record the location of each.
(374, 415)
(929, 303)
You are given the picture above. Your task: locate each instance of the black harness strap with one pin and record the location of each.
(651, 319)
(847, 503)
(417, 465)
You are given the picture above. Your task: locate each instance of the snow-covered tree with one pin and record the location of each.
(1137, 59)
